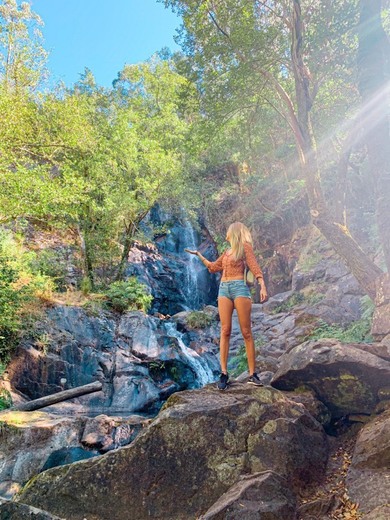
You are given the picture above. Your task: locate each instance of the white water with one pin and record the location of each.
(199, 365)
(192, 289)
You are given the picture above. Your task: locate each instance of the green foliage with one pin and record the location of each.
(5, 399)
(239, 363)
(357, 332)
(93, 308)
(199, 319)
(296, 299)
(50, 263)
(23, 58)
(308, 261)
(22, 284)
(97, 160)
(85, 285)
(128, 295)
(157, 370)
(11, 300)
(314, 297)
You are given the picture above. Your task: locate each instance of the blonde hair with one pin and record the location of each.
(238, 234)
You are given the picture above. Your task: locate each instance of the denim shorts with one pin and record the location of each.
(234, 289)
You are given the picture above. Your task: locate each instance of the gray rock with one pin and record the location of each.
(28, 439)
(379, 513)
(137, 357)
(381, 319)
(345, 378)
(67, 455)
(368, 478)
(203, 439)
(265, 496)
(18, 511)
(318, 509)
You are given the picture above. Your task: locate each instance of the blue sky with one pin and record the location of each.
(102, 35)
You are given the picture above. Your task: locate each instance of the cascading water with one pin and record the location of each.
(196, 362)
(192, 286)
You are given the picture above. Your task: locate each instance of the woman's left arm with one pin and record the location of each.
(256, 270)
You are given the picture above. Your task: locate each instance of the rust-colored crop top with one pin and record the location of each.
(234, 269)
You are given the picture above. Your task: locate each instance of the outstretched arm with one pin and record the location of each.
(213, 267)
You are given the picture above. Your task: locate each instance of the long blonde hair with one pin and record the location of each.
(238, 234)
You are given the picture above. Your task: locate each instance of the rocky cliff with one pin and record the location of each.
(267, 453)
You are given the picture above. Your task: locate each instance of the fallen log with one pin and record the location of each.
(59, 397)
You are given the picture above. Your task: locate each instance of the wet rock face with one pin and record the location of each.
(141, 360)
(178, 281)
(346, 379)
(205, 440)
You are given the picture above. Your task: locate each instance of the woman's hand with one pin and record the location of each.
(191, 251)
(263, 293)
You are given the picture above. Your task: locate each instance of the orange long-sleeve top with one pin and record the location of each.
(234, 269)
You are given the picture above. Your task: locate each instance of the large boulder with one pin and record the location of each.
(15, 511)
(264, 496)
(32, 442)
(368, 478)
(28, 439)
(199, 446)
(344, 377)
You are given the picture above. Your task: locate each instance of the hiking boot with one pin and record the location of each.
(254, 380)
(223, 381)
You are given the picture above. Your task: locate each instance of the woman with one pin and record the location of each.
(234, 293)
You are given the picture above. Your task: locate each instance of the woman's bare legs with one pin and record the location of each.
(225, 308)
(244, 307)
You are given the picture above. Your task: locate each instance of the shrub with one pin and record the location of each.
(5, 399)
(239, 362)
(128, 295)
(199, 319)
(357, 332)
(11, 299)
(20, 287)
(93, 308)
(85, 285)
(295, 299)
(50, 263)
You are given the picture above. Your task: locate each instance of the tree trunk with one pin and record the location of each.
(48, 400)
(362, 267)
(373, 58)
(87, 256)
(128, 242)
(127, 245)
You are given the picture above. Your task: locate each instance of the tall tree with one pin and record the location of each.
(22, 56)
(157, 108)
(287, 51)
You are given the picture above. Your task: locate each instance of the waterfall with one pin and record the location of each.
(192, 266)
(197, 363)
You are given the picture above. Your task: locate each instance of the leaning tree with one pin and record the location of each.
(290, 49)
